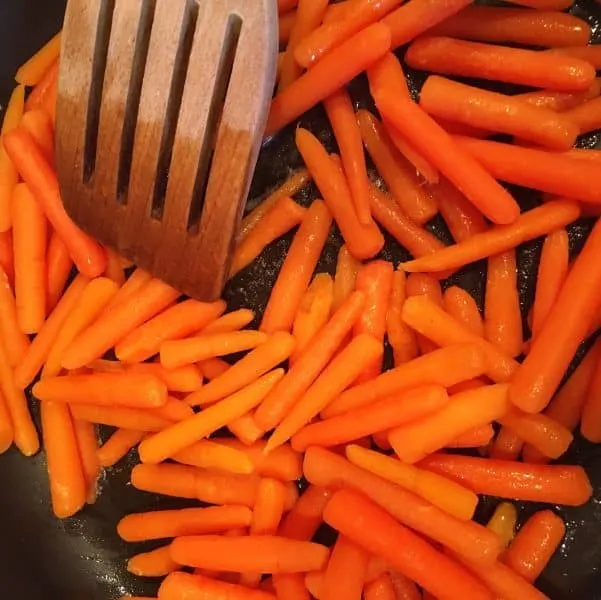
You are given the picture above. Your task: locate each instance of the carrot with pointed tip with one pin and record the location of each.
(136, 281)
(58, 267)
(87, 443)
(118, 445)
(196, 587)
(462, 307)
(156, 563)
(400, 337)
(345, 277)
(246, 429)
(31, 72)
(9, 326)
(233, 321)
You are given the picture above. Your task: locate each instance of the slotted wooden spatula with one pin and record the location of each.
(160, 115)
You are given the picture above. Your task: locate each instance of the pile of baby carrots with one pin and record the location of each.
(309, 397)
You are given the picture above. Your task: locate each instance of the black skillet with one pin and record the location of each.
(82, 558)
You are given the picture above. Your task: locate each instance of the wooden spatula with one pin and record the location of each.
(160, 115)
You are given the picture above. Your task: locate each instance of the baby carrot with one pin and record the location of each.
(560, 101)
(535, 544)
(463, 308)
(137, 280)
(590, 53)
(555, 484)
(346, 570)
(118, 416)
(232, 321)
(381, 588)
(422, 284)
(213, 367)
(10, 331)
(363, 241)
(552, 350)
(155, 525)
(500, 63)
(474, 438)
(6, 255)
(39, 125)
(445, 367)
(503, 522)
(324, 468)
(372, 528)
(31, 72)
(196, 587)
(87, 442)
(58, 268)
(178, 321)
(530, 225)
(156, 563)
(586, 115)
(245, 429)
(179, 436)
(118, 445)
(507, 445)
(286, 5)
(507, 25)
(336, 69)
(208, 454)
(247, 370)
(185, 379)
(398, 174)
(400, 337)
(285, 215)
(6, 428)
(43, 92)
(407, 406)
(341, 115)
(114, 267)
(345, 277)
(291, 586)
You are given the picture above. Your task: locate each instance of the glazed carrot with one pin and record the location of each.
(552, 350)
(87, 254)
(6, 428)
(552, 271)
(507, 25)
(345, 573)
(333, 35)
(474, 438)
(116, 324)
(414, 441)
(373, 529)
(155, 525)
(381, 588)
(285, 5)
(156, 563)
(33, 70)
(530, 225)
(507, 445)
(208, 454)
(68, 486)
(499, 63)
(290, 586)
(181, 435)
(341, 115)
(400, 337)
(175, 323)
(306, 369)
(443, 493)
(345, 277)
(245, 429)
(445, 367)
(361, 352)
(138, 279)
(182, 352)
(117, 416)
(87, 442)
(297, 270)
(590, 53)
(421, 284)
(503, 522)
(337, 11)
(39, 96)
(233, 321)
(336, 69)
(197, 587)
(259, 553)
(560, 101)
(463, 308)
(6, 255)
(117, 446)
(173, 410)
(10, 331)
(443, 152)
(535, 544)
(555, 484)
(313, 314)
(213, 368)
(398, 174)
(103, 389)
(185, 379)
(284, 216)
(285, 25)
(58, 266)
(325, 468)
(38, 124)
(362, 241)
(497, 112)
(391, 217)
(406, 407)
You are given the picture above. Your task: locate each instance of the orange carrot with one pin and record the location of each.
(181, 435)
(39, 125)
(503, 522)
(590, 53)
(454, 101)
(361, 352)
(373, 529)
(87, 442)
(345, 277)
(535, 544)
(341, 65)
(297, 270)
(346, 570)
(552, 350)
(445, 367)
(499, 63)
(285, 25)
(400, 337)
(6, 255)
(560, 101)
(341, 115)
(208, 454)
(420, 284)
(440, 149)
(117, 416)
(68, 486)
(586, 116)
(87, 254)
(443, 493)
(155, 525)
(314, 312)
(363, 241)
(290, 586)
(117, 446)
(414, 441)
(463, 308)
(286, 5)
(259, 553)
(33, 70)
(156, 563)
(474, 438)
(532, 224)
(58, 266)
(174, 410)
(381, 588)
(138, 279)
(10, 331)
(185, 379)
(39, 96)
(6, 428)
(336, 34)
(196, 587)
(507, 25)
(245, 429)
(556, 484)
(213, 368)
(284, 216)
(468, 538)
(233, 321)
(398, 174)
(408, 406)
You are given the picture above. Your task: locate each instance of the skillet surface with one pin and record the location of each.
(42, 558)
